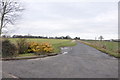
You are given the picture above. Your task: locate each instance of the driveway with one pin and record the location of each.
(81, 61)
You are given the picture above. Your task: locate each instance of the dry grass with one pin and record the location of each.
(110, 48)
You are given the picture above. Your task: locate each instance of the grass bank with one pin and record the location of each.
(110, 48)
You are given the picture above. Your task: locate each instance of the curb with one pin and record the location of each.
(23, 58)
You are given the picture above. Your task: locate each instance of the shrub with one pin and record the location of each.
(47, 47)
(8, 49)
(22, 45)
(119, 51)
(42, 48)
(104, 46)
(33, 47)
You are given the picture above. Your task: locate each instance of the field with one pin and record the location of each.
(56, 43)
(110, 48)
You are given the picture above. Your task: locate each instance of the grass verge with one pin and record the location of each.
(26, 55)
(102, 49)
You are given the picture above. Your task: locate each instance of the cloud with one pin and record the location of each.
(84, 19)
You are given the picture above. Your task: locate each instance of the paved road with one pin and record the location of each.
(81, 61)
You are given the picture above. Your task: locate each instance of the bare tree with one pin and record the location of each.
(9, 11)
(101, 38)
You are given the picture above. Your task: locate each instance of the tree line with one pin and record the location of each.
(42, 37)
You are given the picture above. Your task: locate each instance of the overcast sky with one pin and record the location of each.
(71, 17)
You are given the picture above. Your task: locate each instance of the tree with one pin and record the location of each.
(101, 38)
(9, 11)
(77, 38)
(68, 37)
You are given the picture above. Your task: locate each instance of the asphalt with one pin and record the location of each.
(80, 61)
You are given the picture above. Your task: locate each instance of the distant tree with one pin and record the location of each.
(77, 38)
(9, 11)
(101, 38)
(68, 37)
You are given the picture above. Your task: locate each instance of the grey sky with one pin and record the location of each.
(83, 19)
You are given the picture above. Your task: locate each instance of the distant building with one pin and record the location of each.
(115, 40)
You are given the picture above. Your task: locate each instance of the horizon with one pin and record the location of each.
(96, 38)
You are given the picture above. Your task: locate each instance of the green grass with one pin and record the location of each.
(110, 48)
(56, 43)
(26, 55)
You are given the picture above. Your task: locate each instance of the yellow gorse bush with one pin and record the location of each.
(40, 47)
(47, 47)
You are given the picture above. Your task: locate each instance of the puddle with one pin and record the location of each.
(65, 50)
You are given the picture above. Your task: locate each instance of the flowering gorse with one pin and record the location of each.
(40, 47)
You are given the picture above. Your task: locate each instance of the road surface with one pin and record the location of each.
(81, 61)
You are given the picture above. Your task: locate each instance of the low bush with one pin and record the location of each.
(47, 47)
(104, 46)
(42, 48)
(8, 49)
(22, 45)
(33, 47)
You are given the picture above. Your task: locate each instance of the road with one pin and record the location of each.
(81, 61)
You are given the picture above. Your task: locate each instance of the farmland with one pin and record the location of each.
(110, 48)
